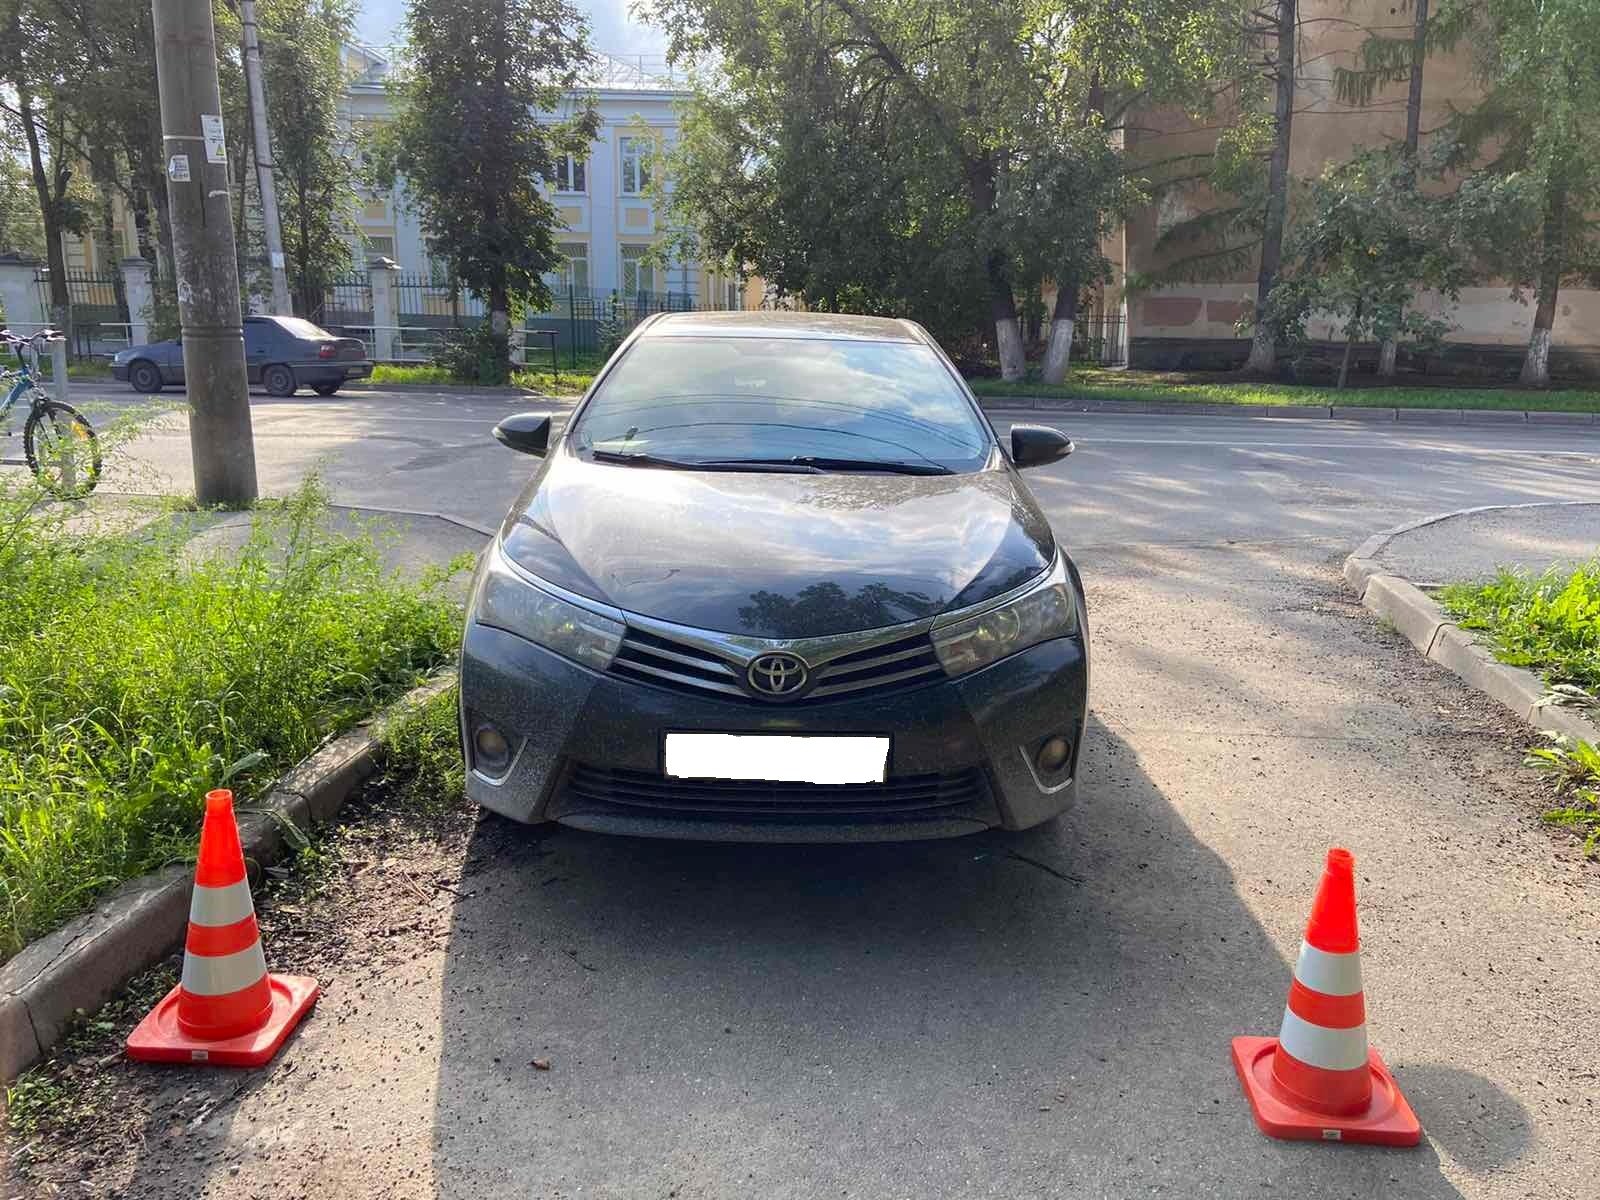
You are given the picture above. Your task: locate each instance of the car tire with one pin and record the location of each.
(324, 389)
(278, 380)
(144, 376)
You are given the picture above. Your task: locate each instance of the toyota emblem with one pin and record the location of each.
(778, 675)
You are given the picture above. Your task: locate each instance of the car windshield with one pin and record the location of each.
(813, 404)
(301, 328)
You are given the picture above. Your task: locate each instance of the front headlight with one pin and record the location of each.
(510, 601)
(1048, 609)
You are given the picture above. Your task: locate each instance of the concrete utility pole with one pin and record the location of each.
(220, 438)
(264, 180)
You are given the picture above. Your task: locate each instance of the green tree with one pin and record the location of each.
(1386, 59)
(1365, 242)
(473, 138)
(21, 229)
(1533, 128)
(918, 157)
(313, 165)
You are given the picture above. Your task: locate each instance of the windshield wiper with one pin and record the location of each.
(823, 463)
(638, 458)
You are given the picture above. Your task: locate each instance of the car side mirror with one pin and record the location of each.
(1035, 445)
(526, 432)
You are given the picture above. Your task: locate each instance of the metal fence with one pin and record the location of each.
(97, 309)
(1100, 338)
(346, 301)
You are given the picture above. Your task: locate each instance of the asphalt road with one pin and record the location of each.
(1044, 1014)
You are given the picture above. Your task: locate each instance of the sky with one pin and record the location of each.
(611, 28)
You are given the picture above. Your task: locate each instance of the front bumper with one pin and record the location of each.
(587, 749)
(119, 370)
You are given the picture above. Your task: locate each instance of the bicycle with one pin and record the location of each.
(59, 443)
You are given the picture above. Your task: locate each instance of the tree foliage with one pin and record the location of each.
(1538, 65)
(469, 138)
(917, 157)
(313, 162)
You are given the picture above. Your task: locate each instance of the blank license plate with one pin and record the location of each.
(779, 758)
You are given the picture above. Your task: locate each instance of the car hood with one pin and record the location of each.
(776, 555)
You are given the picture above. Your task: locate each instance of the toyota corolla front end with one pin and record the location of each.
(777, 580)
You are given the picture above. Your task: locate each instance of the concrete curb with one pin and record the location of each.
(1324, 412)
(1437, 638)
(1363, 564)
(81, 965)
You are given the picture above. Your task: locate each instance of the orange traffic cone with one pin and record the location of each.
(226, 1009)
(1318, 1080)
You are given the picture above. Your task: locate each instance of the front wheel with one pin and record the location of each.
(145, 377)
(278, 380)
(62, 450)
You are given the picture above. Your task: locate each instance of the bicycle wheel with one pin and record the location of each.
(62, 450)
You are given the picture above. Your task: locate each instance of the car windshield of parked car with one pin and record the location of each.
(301, 328)
(810, 404)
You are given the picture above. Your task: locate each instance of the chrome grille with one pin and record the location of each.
(685, 667)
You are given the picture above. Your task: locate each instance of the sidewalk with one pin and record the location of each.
(1475, 543)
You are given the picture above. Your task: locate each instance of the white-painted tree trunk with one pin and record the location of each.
(1536, 365)
(1058, 354)
(1008, 340)
(1263, 358)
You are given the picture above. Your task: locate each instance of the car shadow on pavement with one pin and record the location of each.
(1043, 1013)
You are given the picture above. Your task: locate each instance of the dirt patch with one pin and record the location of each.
(370, 897)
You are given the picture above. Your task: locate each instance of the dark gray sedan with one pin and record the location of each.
(778, 579)
(281, 354)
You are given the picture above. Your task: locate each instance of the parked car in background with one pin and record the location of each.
(282, 354)
(777, 580)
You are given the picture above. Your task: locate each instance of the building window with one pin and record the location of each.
(574, 273)
(635, 165)
(638, 276)
(379, 244)
(571, 174)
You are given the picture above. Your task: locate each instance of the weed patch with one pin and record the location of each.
(1574, 767)
(136, 673)
(1548, 623)
(422, 763)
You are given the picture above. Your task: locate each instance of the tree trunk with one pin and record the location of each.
(141, 224)
(1349, 344)
(111, 251)
(50, 212)
(1388, 355)
(1263, 343)
(1058, 354)
(1007, 330)
(1536, 364)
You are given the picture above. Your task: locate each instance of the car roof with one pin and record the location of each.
(781, 323)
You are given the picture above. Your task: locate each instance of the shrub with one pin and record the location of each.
(476, 354)
(136, 673)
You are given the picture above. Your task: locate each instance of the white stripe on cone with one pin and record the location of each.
(1318, 1046)
(221, 905)
(221, 974)
(1330, 974)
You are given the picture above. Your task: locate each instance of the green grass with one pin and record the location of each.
(136, 673)
(569, 381)
(422, 754)
(1096, 384)
(1574, 766)
(1548, 623)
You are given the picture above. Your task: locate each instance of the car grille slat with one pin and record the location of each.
(661, 795)
(875, 681)
(683, 666)
(690, 682)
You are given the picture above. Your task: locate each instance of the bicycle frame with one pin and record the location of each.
(25, 383)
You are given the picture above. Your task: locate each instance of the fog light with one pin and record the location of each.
(1054, 754)
(492, 749)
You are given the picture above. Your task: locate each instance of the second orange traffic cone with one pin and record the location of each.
(226, 1009)
(1318, 1080)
